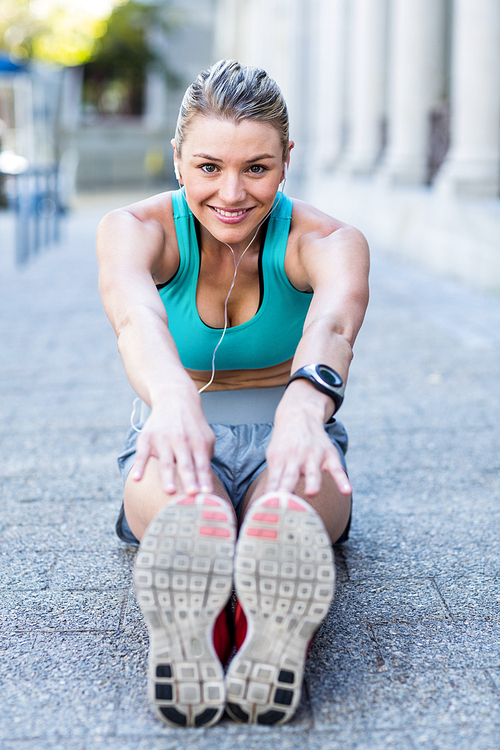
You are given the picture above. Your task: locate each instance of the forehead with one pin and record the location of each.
(217, 137)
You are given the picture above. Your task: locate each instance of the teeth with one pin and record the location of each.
(229, 214)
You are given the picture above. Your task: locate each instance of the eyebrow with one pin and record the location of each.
(259, 158)
(249, 161)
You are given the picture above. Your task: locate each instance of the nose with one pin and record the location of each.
(231, 188)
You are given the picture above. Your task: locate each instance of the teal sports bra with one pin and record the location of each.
(267, 339)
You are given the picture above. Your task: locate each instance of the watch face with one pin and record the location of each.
(329, 376)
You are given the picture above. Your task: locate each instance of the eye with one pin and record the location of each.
(208, 168)
(257, 169)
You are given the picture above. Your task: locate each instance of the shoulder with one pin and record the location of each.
(310, 225)
(155, 212)
(321, 245)
(141, 233)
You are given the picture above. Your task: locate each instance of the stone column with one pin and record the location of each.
(273, 34)
(328, 63)
(288, 62)
(257, 32)
(366, 85)
(416, 85)
(71, 97)
(226, 29)
(253, 33)
(472, 167)
(156, 94)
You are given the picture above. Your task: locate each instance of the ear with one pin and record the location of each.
(176, 161)
(287, 161)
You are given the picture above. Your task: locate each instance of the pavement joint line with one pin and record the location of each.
(123, 608)
(51, 570)
(439, 593)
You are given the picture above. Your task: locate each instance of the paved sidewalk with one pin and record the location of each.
(408, 657)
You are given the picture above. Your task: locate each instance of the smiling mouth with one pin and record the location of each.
(230, 214)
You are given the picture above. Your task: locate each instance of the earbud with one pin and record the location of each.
(176, 172)
(285, 171)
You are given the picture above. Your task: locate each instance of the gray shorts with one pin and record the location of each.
(239, 457)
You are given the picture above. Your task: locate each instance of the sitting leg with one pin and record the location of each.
(183, 580)
(284, 578)
(333, 508)
(144, 499)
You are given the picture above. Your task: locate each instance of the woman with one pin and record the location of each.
(218, 293)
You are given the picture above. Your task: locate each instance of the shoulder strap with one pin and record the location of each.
(187, 240)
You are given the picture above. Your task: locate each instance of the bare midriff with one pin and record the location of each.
(232, 380)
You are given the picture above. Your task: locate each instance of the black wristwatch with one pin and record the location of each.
(324, 379)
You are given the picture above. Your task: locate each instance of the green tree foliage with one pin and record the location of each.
(63, 32)
(115, 74)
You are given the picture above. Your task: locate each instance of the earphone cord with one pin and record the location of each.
(236, 266)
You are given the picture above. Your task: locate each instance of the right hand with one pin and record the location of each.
(177, 434)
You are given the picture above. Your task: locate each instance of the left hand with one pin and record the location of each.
(300, 447)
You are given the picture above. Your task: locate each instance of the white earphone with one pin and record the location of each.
(285, 171)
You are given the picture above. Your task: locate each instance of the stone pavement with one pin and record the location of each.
(408, 657)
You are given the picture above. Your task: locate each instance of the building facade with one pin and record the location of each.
(115, 151)
(395, 111)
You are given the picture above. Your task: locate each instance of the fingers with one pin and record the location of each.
(281, 476)
(341, 481)
(185, 468)
(183, 461)
(193, 463)
(312, 479)
(143, 452)
(285, 469)
(166, 469)
(203, 471)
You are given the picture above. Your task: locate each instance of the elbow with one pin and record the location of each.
(136, 321)
(330, 328)
(345, 343)
(108, 225)
(123, 327)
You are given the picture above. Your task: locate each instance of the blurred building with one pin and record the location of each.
(114, 149)
(29, 97)
(395, 111)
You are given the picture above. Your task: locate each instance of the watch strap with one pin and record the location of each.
(313, 375)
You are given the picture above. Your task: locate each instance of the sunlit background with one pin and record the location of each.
(63, 32)
(394, 105)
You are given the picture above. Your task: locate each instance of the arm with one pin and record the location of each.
(336, 266)
(132, 249)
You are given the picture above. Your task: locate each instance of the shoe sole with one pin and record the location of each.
(284, 580)
(183, 580)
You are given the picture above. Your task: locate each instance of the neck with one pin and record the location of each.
(212, 245)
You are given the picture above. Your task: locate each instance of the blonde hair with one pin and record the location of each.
(235, 92)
